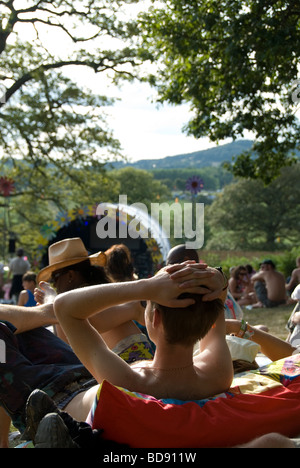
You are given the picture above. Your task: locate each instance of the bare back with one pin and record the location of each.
(275, 284)
(192, 382)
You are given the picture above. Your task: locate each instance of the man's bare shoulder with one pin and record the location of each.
(296, 273)
(276, 273)
(141, 364)
(259, 275)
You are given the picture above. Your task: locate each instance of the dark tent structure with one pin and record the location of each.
(120, 224)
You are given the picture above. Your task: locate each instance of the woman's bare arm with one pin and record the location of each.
(27, 318)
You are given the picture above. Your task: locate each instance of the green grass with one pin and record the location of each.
(275, 319)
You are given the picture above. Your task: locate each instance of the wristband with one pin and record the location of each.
(245, 331)
(249, 332)
(242, 330)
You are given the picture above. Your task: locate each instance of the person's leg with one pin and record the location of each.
(261, 292)
(4, 428)
(28, 366)
(41, 346)
(272, 440)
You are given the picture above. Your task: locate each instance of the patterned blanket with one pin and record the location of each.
(258, 402)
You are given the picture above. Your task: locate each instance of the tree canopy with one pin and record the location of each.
(236, 63)
(47, 120)
(251, 216)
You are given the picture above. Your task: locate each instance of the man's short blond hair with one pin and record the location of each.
(185, 326)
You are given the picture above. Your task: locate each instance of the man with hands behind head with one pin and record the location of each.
(173, 372)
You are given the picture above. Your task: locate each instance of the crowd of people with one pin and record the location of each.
(264, 288)
(145, 332)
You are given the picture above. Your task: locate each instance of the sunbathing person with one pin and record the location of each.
(171, 352)
(173, 365)
(174, 323)
(240, 286)
(271, 346)
(269, 285)
(179, 254)
(295, 277)
(35, 357)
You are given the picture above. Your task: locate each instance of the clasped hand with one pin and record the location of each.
(191, 277)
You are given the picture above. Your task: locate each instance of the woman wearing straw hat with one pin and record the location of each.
(35, 357)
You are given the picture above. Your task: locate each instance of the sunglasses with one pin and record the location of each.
(56, 275)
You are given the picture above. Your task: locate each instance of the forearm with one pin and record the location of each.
(271, 346)
(115, 316)
(98, 298)
(27, 318)
(4, 428)
(165, 288)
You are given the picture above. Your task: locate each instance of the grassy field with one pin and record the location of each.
(275, 319)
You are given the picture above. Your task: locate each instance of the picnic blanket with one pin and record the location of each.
(258, 402)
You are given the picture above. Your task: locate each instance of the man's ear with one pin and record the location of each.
(156, 319)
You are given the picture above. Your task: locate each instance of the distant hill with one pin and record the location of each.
(198, 159)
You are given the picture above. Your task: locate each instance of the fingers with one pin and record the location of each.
(198, 278)
(182, 267)
(191, 271)
(45, 286)
(44, 293)
(210, 296)
(39, 296)
(181, 303)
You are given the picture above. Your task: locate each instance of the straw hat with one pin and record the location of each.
(68, 252)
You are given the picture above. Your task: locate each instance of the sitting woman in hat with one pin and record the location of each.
(35, 358)
(70, 268)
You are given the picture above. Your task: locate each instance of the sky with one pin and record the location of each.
(147, 131)
(144, 130)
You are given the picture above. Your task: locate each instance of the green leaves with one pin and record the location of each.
(249, 215)
(54, 139)
(44, 115)
(234, 62)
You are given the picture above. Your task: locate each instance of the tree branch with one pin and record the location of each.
(61, 26)
(96, 66)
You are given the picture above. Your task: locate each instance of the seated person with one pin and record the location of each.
(35, 357)
(119, 264)
(293, 324)
(179, 254)
(26, 297)
(269, 286)
(174, 348)
(295, 277)
(174, 372)
(240, 286)
(174, 322)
